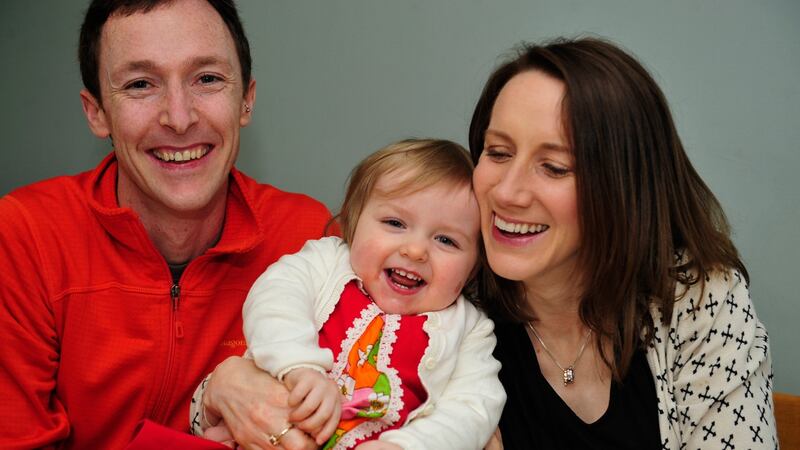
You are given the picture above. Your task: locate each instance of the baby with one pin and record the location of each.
(371, 333)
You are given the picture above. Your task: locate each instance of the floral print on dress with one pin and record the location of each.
(371, 388)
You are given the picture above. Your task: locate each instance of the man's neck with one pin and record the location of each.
(179, 236)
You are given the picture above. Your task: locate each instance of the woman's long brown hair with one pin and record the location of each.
(647, 219)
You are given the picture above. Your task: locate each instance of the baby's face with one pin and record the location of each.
(415, 252)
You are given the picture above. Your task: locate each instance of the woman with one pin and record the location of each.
(624, 319)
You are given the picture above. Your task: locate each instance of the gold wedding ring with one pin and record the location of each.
(274, 439)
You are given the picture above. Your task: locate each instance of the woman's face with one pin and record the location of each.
(525, 185)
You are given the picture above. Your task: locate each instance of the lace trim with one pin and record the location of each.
(388, 338)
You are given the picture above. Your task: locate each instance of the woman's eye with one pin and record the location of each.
(447, 241)
(496, 155)
(393, 223)
(556, 171)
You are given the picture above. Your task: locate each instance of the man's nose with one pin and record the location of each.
(178, 110)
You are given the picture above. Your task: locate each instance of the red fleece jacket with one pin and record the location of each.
(94, 335)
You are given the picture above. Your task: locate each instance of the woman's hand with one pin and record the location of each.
(253, 405)
(495, 442)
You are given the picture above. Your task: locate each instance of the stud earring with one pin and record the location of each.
(247, 108)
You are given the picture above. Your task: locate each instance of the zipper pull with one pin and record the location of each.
(175, 294)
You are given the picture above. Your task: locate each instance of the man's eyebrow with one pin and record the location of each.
(200, 61)
(143, 65)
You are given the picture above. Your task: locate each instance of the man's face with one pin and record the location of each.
(173, 103)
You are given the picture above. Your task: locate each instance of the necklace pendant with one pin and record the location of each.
(569, 375)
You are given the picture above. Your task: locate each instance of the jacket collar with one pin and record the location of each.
(241, 232)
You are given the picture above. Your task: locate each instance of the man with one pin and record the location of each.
(122, 287)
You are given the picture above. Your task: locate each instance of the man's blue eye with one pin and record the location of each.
(206, 79)
(139, 84)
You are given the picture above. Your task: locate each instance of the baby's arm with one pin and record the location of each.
(467, 413)
(281, 319)
(280, 313)
(316, 402)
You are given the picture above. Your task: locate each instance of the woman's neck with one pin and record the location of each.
(557, 311)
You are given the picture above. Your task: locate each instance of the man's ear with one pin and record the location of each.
(95, 115)
(249, 103)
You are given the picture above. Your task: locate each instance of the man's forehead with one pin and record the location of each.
(176, 30)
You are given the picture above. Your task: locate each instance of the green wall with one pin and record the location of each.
(338, 79)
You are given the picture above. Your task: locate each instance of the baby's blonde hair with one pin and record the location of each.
(421, 163)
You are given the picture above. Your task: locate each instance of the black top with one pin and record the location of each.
(535, 417)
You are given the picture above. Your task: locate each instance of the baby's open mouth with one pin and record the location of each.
(403, 279)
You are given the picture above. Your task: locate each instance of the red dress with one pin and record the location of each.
(376, 360)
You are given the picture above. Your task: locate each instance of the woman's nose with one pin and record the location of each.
(515, 186)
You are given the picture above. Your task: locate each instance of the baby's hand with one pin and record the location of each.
(378, 445)
(316, 401)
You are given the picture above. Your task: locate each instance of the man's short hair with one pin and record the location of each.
(100, 10)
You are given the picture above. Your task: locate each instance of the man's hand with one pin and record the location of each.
(316, 401)
(253, 406)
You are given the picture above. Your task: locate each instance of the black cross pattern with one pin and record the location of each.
(715, 399)
(728, 443)
(747, 393)
(755, 431)
(761, 412)
(731, 371)
(685, 416)
(740, 341)
(672, 416)
(727, 335)
(699, 362)
(687, 391)
(692, 309)
(709, 430)
(678, 363)
(747, 314)
(711, 332)
(711, 303)
(730, 300)
(739, 415)
(713, 367)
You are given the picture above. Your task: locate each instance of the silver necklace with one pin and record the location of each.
(568, 372)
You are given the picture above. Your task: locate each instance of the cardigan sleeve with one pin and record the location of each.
(717, 369)
(280, 312)
(466, 413)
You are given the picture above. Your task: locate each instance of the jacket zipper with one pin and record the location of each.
(175, 294)
(176, 332)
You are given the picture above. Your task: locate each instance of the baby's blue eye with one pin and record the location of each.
(447, 241)
(393, 223)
